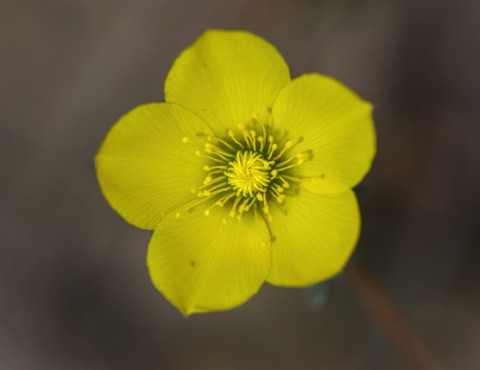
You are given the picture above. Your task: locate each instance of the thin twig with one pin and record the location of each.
(402, 334)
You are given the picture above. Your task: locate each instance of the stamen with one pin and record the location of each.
(233, 211)
(252, 135)
(210, 181)
(221, 202)
(285, 183)
(261, 140)
(219, 188)
(287, 146)
(213, 149)
(249, 137)
(266, 209)
(226, 144)
(232, 136)
(282, 164)
(272, 147)
(277, 191)
(249, 170)
(291, 178)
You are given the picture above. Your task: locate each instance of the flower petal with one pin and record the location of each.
(208, 263)
(334, 126)
(227, 78)
(147, 163)
(313, 237)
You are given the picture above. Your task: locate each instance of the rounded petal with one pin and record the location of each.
(208, 263)
(227, 78)
(332, 126)
(147, 163)
(313, 237)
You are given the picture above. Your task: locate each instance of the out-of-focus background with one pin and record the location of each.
(74, 288)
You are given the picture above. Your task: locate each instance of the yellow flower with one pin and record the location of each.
(244, 174)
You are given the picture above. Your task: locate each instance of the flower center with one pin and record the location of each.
(250, 170)
(248, 174)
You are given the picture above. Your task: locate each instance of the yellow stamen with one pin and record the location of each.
(249, 169)
(248, 174)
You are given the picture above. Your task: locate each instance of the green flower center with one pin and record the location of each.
(249, 171)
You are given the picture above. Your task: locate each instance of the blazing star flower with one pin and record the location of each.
(244, 174)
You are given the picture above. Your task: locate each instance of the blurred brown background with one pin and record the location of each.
(74, 289)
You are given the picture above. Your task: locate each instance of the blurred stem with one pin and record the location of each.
(402, 334)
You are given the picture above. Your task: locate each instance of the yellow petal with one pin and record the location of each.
(335, 128)
(313, 237)
(227, 78)
(204, 263)
(147, 163)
